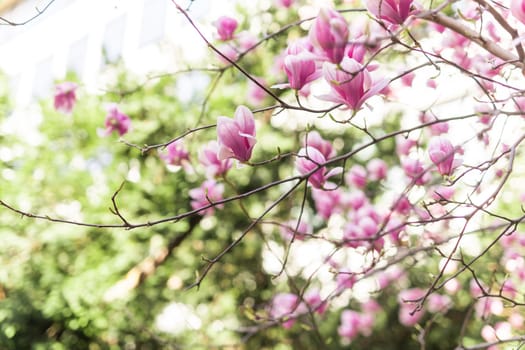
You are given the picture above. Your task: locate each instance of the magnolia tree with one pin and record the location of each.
(353, 177)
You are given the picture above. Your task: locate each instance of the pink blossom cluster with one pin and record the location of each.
(116, 121)
(235, 140)
(226, 27)
(311, 158)
(296, 230)
(175, 154)
(363, 228)
(456, 47)
(329, 53)
(359, 176)
(209, 158)
(441, 153)
(517, 9)
(232, 41)
(309, 162)
(354, 323)
(410, 314)
(491, 307)
(340, 54)
(204, 198)
(287, 307)
(236, 137)
(392, 11)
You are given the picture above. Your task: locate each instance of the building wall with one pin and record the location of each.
(75, 35)
(85, 35)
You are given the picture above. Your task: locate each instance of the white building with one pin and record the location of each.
(84, 35)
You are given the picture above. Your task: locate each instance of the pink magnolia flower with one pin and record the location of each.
(499, 333)
(329, 34)
(383, 281)
(493, 32)
(517, 8)
(301, 69)
(368, 225)
(488, 333)
(408, 78)
(407, 316)
(226, 26)
(392, 274)
(516, 320)
(402, 205)
(353, 235)
(175, 153)
(435, 128)
(246, 40)
(356, 199)
(442, 193)
(284, 3)
(438, 303)
(229, 51)
(371, 307)
(519, 102)
(352, 85)
(437, 27)
(407, 298)
(300, 45)
(315, 302)
(414, 169)
(453, 286)
(209, 193)
(65, 97)
(255, 94)
(354, 323)
(377, 169)
(395, 228)
(315, 140)
(361, 233)
(508, 288)
(116, 121)
(350, 324)
(286, 306)
(356, 176)
(326, 202)
(370, 212)
(345, 280)
(357, 49)
(453, 40)
(209, 159)
(367, 323)
(439, 128)
(292, 230)
(485, 307)
(404, 145)
(431, 83)
(502, 331)
(393, 11)
(441, 153)
(236, 137)
(410, 296)
(308, 159)
(485, 112)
